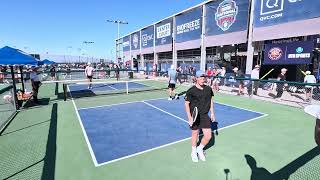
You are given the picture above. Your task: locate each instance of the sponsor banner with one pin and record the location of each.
(273, 12)
(289, 53)
(126, 44)
(188, 26)
(147, 36)
(135, 41)
(226, 16)
(163, 32)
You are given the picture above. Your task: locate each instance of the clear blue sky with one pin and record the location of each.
(61, 26)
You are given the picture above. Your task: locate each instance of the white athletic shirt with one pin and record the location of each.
(310, 79)
(89, 71)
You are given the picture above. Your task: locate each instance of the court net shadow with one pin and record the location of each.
(51, 148)
(42, 101)
(260, 173)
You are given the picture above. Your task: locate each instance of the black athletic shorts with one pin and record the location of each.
(203, 121)
(89, 77)
(172, 86)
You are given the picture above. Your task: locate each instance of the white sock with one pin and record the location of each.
(200, 147)
(194, 149)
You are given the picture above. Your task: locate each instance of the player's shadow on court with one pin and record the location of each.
(260, 173)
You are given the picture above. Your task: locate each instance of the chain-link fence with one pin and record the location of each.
(7, 104)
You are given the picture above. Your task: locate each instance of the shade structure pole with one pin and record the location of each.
(15, 98)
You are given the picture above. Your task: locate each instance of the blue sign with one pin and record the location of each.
(164, 32)
(226, 16)
(126, 43)
(147, 36)
(289, 53)
(135, 41)
(272, 12)
(189, 25)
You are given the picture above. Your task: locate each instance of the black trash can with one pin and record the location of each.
(130, 74)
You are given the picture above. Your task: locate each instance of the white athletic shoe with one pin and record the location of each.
(201, 155)
(194, 156)
(176, 96)
(169, 98)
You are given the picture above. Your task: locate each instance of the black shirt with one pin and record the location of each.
(200, 98)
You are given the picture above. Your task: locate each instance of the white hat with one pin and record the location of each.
(308, 72)
(313, 110)
(257, 66)
(284, 69)
(172, 66)
(235, 69)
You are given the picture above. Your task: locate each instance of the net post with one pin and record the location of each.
(127, 87)
(64, 91)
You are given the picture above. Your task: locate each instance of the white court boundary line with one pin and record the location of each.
(116, 104)
(165, 112)
(84, 132)
(159, 147)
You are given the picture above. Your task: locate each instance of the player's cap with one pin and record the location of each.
(172, 66)
(200, 74)
(235, 69)
(283, 70)
(308, 72)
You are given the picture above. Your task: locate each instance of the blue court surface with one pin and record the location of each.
(118, 131)
(106, 86)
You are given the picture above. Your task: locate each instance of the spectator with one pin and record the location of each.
(309, 78)
(53, 73)
(209, 74)
(215, 81)
(280, 85)
(35, 82)
(222, 75)
(238, 75)
(254, 76)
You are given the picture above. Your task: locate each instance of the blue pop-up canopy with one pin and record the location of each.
(46, 61)
(12, 56)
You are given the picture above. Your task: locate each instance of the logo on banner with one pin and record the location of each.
(189, 26)
(271, 9)
(164, 31)
(146, 38)
(135, 41)
(226, 14)
(275, 53)
(126, 43)
(299, 54)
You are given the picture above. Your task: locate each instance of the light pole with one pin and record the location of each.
(86, 43)
(117, 41)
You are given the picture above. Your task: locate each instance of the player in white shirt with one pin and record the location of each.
(255, 75)
(89, 74)
(309, 78)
